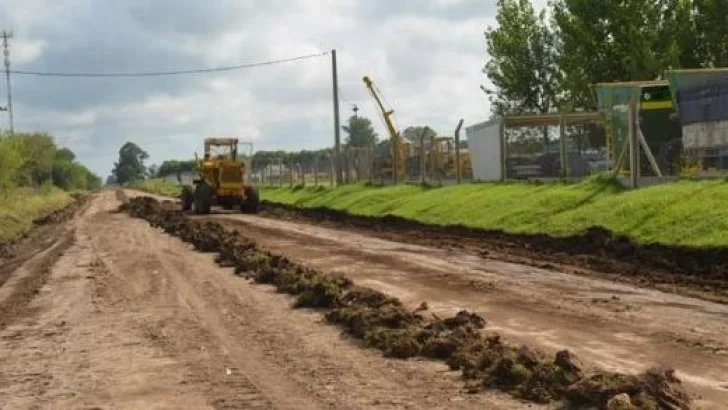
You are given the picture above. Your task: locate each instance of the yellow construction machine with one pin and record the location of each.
(221, 180)
(389, 166)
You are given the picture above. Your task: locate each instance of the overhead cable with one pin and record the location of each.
(167, 73)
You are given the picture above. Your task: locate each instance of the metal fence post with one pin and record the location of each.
(458, 168)
(371, 163)
(315, 171)
(331, 172)
(562, 147)
(423, 169)
(634, 147)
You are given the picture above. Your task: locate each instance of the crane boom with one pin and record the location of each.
(397, 151)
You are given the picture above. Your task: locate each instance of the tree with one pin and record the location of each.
(607, 41)
(39, 153)
(711, 24)
(11, 160)
(414, 134)
(522, 60)
(65, 154)
(360, 130)
(130, 166)
(110, 180)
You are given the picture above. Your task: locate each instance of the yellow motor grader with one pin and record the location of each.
(221, 180)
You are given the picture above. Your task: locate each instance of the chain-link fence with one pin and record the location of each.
(435, 161)
(553, 146)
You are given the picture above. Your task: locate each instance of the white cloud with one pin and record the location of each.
(425, 55)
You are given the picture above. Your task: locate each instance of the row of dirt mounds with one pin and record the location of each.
(384, 323)
(704, 269)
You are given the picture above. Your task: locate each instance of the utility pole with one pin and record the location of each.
(337, 127)
(6, 51)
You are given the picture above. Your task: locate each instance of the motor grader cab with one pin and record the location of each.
(220, 180)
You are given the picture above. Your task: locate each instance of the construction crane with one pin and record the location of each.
(398, 159)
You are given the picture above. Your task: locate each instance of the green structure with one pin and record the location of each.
(657, 120)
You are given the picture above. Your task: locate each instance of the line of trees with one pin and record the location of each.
(542, 61)
(35, 160)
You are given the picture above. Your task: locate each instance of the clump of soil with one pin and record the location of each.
(384, 323)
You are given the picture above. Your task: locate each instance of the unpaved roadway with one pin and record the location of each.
(614, 326)
(106, 312)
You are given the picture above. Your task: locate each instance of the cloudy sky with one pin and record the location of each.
(425, 55)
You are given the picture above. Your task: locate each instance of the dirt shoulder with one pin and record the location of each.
(133, 318)
(611, 325)
(694, 272)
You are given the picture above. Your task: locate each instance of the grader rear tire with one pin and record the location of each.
(203, 198)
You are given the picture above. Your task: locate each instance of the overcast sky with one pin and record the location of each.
(425, 55)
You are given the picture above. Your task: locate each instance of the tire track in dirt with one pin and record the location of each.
(577, 312)
(29, 261)
(517, 370)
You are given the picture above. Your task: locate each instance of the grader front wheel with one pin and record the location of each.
(187, 198)
(203, 198)
(251, 204)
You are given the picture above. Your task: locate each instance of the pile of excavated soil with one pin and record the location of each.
(384, 323)
(597, 248)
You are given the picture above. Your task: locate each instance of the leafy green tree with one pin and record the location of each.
(360, 132)
(130, 166)
(711, 25)
(522, 60)
(414, 133)
(39, 153)
(636, 40)
(11, 159)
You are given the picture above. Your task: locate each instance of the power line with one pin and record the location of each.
(167, 73)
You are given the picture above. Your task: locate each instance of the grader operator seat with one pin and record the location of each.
(221, 180)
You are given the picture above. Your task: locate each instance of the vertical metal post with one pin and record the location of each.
(331, 171)
(458, 168)
(315, 171)
(504, 150)
(433, 161)
(633, 145)
(337, 127)
(395, 162)
(423, 169)
(371, 163)
(562, 146)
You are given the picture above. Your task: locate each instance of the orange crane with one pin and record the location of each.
(398, 157)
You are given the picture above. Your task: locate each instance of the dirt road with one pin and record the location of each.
(111, 313)
(611, 325)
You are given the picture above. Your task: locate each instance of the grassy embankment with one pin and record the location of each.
(685, 213)
(19, 207)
